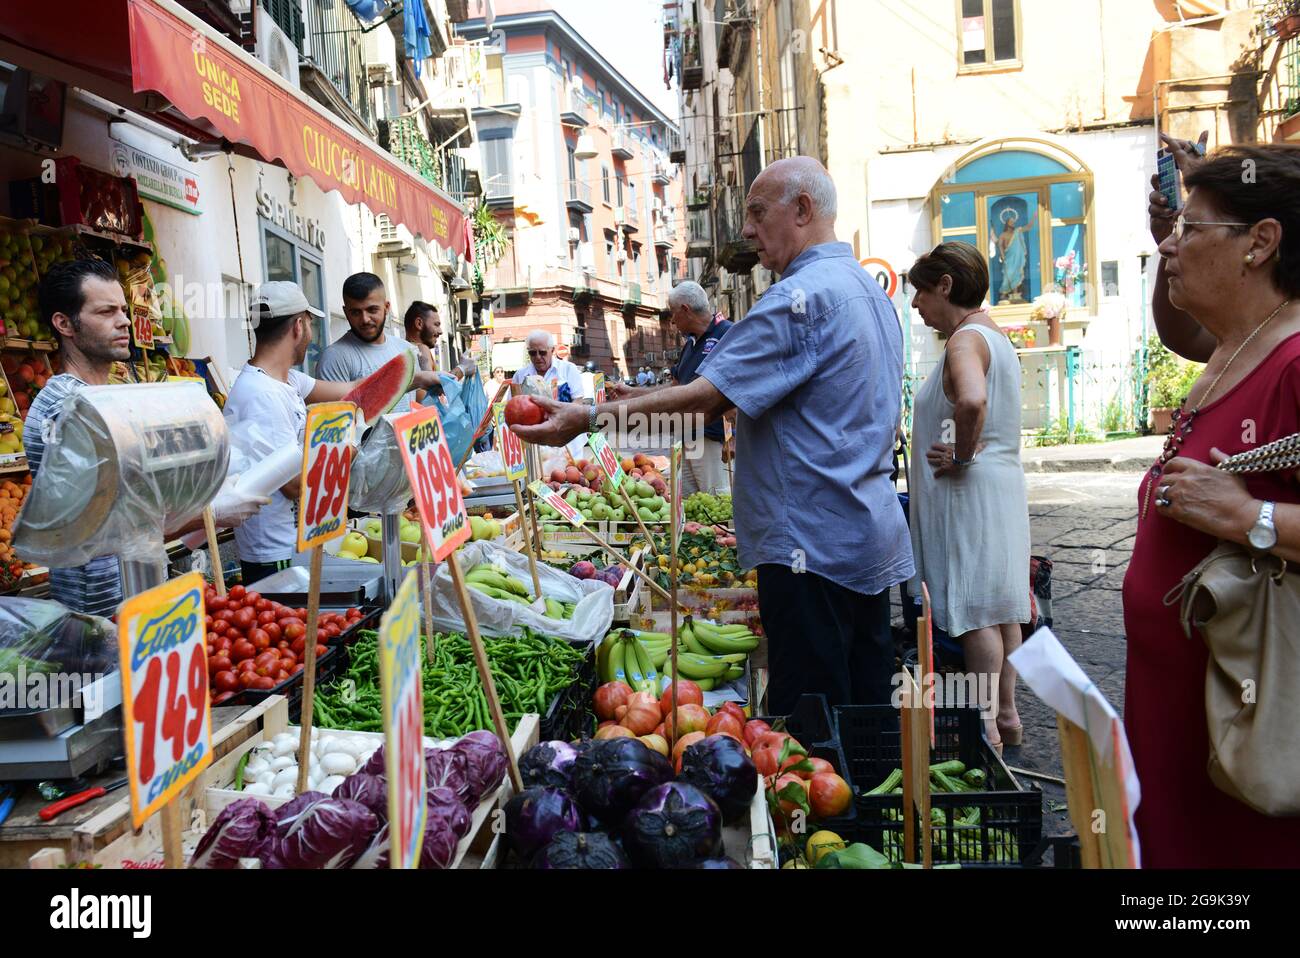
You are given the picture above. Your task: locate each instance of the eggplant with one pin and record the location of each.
(534, 817)
(673, 826)
(548, 763)
(613, 774)
(719, 767)
(581, 851)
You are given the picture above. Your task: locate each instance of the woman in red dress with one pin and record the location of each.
(1227, 294)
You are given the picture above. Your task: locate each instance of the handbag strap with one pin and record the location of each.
(1282, 453)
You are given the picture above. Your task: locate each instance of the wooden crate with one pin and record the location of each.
(100, 833)
(752, 840)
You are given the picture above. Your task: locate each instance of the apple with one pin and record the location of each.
(522, 411)
(355, 543)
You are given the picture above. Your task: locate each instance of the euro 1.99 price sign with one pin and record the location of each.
(433, 480)
(326, 471)
(605, 456)
(509, 446)
(557, 502)
(402, 688)
(165, 711)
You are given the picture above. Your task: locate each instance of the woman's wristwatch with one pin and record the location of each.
(1263, 534)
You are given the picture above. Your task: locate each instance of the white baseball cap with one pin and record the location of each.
(278, 299)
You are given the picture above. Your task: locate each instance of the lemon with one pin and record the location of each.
(796, 863)
(821, 844)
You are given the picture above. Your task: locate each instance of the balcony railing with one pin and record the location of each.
(665, 236)
(333, 45)
(579, 196)
(621, 144)
(699, 234)
(736, 253)
(1289, 78)
(407, 142)
(631, 294)
(692, 61)
(676, 147)
(660, 172)
(733, 40)
(573, 107)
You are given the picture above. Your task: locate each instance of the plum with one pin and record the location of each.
(583, 570)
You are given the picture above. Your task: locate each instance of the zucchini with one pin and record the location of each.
(976, 778)
(945, 783)
(950, 767)
(889, 784)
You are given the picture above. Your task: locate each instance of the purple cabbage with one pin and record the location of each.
(673, 826)
(612, 775)
(375, 765)
(437, 852)
(485, 763)
(443, 802)
(548, 763)
(329, 833)
(536, 816)
(368, 790)
(445, 768)
(581, 850)
(291, 810)
(244, 829)
(719, 767)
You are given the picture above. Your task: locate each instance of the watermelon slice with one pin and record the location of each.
(382, 389)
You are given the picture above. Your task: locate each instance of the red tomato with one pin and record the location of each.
(283, 645)
(252, 598)
(225, 615)
(332, 631)
(246, 679)
(220, 626)
(260, 639)
(212, 638)
(220, 663)
(242, 649)
(217, 603)
(224, 696)
(207, 622)
(263, 682)
(294, 631)
(264, 617)
(301, 613)
(225, 681)
(262, 605)
(236, 592)
(297, 668)
(234, 605)
(223, 644)
(274, 631)
(263, 658)
(321, 650)
(288, 654)
(245, 618)
(299, 644)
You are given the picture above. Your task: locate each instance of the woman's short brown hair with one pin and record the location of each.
(961, 261)
(1253, 183)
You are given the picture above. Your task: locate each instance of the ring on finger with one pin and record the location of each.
(1163, 502)
(1163, 492)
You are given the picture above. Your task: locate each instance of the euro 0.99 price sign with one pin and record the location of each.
(509, 446)
(605, 456)
(557, 502)
(326, 471)
(433, 480)
(402, 689)
(165, 709)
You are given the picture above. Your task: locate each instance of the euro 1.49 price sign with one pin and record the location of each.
(165, 709)
(326, 471)
(401, 679)
(433, 480)
(509, 446)
(605, 456)
(557, 502)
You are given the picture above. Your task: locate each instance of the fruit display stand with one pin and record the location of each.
(99, 833)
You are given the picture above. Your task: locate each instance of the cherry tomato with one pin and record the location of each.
(246, 679)
(242, 649)
(245, 618)
(274, 631)
(262, 605)
(225, 681)
(263, 682)
(236, 592)
(260, 639)
(220, 663)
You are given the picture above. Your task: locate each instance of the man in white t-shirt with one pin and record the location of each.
(267, 409)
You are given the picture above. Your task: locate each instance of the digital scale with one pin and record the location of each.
(122, 464)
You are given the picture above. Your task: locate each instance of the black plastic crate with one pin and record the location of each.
(369, 620)
(1010, 820)
(810, 722)
(569, 715)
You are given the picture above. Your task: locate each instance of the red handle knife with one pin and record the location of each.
(72, 801)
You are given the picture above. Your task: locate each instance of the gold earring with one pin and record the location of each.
(1250, 257)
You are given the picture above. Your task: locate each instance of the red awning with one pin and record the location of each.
(213, 83)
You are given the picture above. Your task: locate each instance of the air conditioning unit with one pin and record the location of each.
(574, 234)
(620, 215)
(391, 243)
(275, 48)
(621, 257)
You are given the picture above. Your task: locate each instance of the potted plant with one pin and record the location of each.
(1168, 381)
(1284, 15)
(1050, 308)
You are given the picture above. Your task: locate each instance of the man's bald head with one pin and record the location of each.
(791, 206)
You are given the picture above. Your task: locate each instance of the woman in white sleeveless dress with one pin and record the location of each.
(967, 504)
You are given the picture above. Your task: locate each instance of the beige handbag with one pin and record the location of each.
(1247, 609)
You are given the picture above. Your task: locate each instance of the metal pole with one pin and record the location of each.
(1071, 370)
(392, 546)
(1141, 412)
(140, 576)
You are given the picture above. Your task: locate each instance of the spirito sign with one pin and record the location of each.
(882, 273)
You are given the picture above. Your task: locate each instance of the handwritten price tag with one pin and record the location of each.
(509, 446)
(556, 502)
(402, 688)
(142, 325)
(326, 470)
(605, 456)
(164, 692)
(433, 479)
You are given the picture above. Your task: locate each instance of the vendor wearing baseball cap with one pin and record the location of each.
(268, 403)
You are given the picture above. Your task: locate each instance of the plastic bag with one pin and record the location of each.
(591, 619)
(43, 638)
(456, 424)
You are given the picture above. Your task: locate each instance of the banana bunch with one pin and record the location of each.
(713, 654)
(633, 657)
(491, 581)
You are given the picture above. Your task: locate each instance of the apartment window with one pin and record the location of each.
(619, 181)
(990, 32)
(610, 265)
(604, 183)
(494, 79)
(1030, 213)
(498, 164)
(631, 200)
